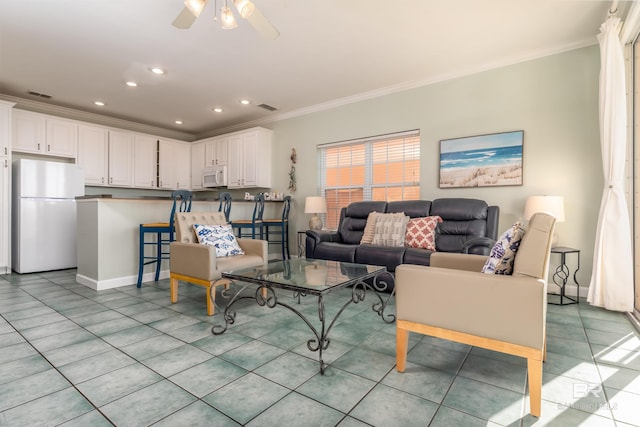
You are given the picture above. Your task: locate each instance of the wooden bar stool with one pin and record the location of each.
(255, 223)
(225, 204)
(283, 232)
(159, 229)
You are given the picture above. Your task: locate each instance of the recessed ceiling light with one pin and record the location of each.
(245, 102)
(158, 70)
(99, 103)
(178, 122)
(131, 84)
(217, 110)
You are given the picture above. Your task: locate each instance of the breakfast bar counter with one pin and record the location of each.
(108, 236)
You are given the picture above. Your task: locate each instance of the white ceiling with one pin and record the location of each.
(329, 52)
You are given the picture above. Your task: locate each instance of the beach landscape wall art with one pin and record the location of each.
(482, 161)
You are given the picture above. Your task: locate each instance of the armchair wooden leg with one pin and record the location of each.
(211, 295)
(402, 343)
(174, 289)
(534, 373)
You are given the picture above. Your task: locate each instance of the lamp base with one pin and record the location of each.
(315, 223)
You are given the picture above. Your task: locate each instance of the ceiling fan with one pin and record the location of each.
(246, 8)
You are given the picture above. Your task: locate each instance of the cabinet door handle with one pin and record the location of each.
(102, 180)
(6, 163)
(38, 146)
(5, 151)
(48, 147)
(111, 180)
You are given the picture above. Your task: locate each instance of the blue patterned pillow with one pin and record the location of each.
(503, 253)
(220, 236)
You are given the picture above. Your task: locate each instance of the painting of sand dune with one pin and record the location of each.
(482, 161)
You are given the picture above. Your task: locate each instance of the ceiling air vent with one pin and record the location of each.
(267, 107)
(38, 94)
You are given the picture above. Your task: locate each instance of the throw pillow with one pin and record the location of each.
(391, 229)
(421, 232)
(503, 253)
(370, 228)
(219, 236)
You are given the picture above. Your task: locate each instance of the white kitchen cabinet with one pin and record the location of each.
(43, 134)
(249, 157)
(5, 188)
(145, 161)
(165, 164)
(216, 150)
(197, 164)
(181, 163)
(93, 154)
(120, 159)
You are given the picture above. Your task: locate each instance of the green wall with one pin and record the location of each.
(553, 99)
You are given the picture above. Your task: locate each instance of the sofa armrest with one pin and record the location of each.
(467, 262)
(478, 245)
(315, 237)
(255, 247)
(193, 259)
(500, 307)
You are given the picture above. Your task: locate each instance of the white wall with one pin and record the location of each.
(553, 99)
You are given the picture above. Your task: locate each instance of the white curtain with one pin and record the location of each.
(611, 284)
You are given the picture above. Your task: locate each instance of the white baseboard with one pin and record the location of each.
(101, 285)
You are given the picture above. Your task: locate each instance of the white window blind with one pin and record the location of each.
(385, 167)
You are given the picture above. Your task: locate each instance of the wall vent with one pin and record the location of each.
(267, 107)
(38, 94)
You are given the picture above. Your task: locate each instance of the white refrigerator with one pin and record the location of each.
(43, 228)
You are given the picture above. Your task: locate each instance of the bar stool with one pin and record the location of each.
(283, 223)
(225, 204)
(160, 229)
(255, 223)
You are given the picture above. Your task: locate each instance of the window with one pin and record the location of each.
(383, 167)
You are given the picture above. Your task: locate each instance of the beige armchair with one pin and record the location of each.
(195, 263)
(453, 300)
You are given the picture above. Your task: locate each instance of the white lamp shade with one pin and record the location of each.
(315, 205)
(553, 205)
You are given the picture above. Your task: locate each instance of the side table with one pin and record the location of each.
(302, 237)
(561, 275)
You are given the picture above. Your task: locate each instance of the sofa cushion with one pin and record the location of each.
(462, 219)
(391, 229)
(503, 253)
(421, 232)
(219, 236)
(353, 220)
(388, 256)
(417, 256)
(411, 208)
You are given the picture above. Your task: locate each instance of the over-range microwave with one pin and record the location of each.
(214, 176)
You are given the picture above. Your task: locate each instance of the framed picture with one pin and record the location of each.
(482, 161)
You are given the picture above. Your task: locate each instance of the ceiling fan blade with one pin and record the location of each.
(184, 19)
(262, 25)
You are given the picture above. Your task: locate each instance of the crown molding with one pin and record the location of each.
(99, 119)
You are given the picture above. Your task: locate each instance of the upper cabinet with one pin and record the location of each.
(197, 165)
(42, 134)
(120, 159)
(93, 154)
(145, 161)
(181, 165)
(215, 152)
(249, 157)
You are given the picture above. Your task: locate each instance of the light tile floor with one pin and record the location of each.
(128, 357)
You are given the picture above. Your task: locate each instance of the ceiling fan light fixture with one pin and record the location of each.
(245, 7)
(228, 20)
(195, 6)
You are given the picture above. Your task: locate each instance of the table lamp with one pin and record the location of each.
(553, 205)
(315, 205)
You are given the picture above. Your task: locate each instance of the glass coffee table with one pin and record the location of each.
(305, 277)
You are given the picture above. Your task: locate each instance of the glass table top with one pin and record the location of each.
(307, 275)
